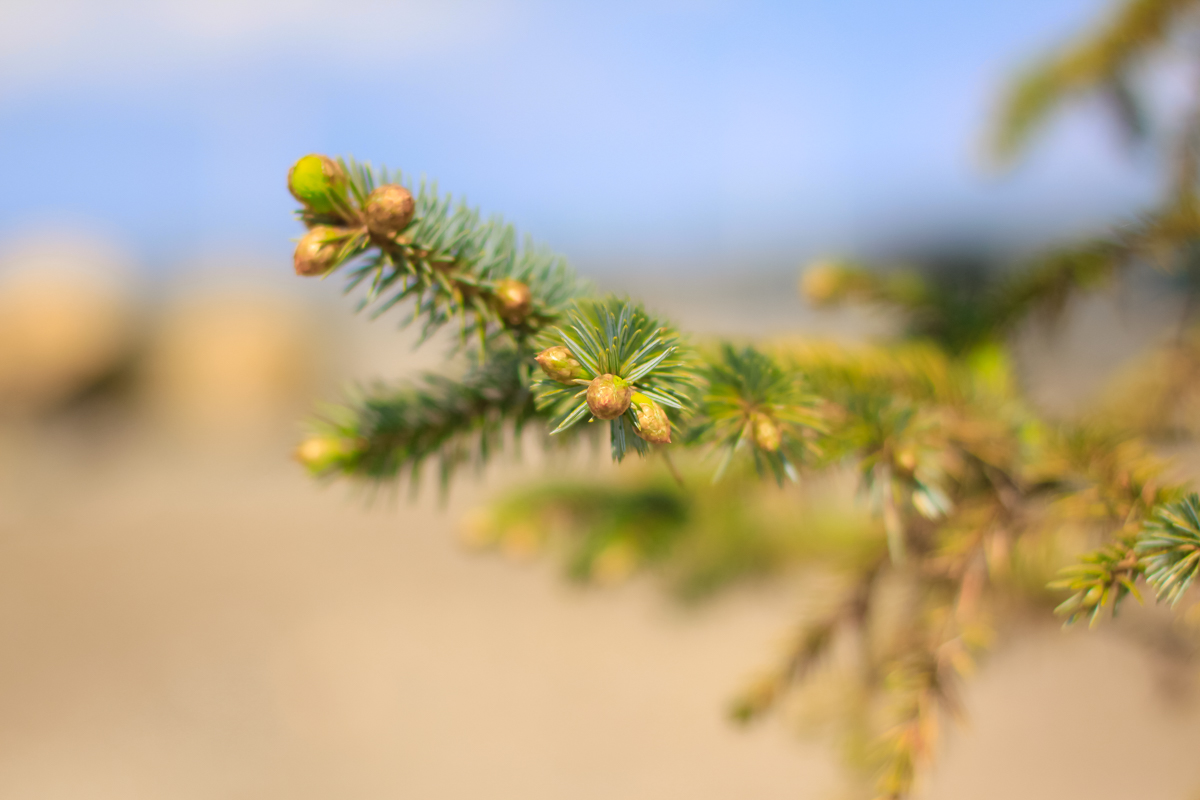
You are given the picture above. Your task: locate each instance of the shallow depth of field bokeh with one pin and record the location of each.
(184, 613)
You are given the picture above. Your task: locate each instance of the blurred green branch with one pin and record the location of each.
(1102, 61)
(972, 502)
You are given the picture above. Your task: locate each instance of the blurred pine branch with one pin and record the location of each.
(973, 504)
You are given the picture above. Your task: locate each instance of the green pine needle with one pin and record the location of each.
(1170, 548)
(752, 405)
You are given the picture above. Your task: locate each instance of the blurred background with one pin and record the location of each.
(184, 614)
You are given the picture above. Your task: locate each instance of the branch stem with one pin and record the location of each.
(673, 470)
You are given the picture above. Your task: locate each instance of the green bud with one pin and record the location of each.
(652, 422)
(608, 396)
(388, 210)
(559, 364)
(317, 251)
(320, 453)
(765, 432)
(313, 180)
(514, 301)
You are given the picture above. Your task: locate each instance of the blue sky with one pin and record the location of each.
(617, 132)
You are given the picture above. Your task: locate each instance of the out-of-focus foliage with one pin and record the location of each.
(752, 403)
(698, 542)
(973, 503)
(387, 430)
(961, 303)
(1100, 61)
(1169, 548)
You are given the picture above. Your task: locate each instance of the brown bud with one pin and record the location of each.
(559, 364)
(388, 210)
(514, 301)
(314, 179)
(608, 396)
(765, 431)
(653, 425)
(317, 251)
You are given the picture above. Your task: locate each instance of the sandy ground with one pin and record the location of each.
(207, 625)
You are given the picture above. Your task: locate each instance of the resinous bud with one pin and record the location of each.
(514, 300)
(317, 251)
(314, 179)
(559, 363)
(388, 210)
(765, 431)
(653, 425)
(608, 396)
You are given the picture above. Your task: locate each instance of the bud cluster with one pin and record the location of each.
(612, 361)
(608, 396)
(341, 226)
(321, 185)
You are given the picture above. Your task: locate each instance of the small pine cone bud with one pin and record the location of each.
(765, 431)
(906, 458)
(822, 283)
(514, 301)
(559, 364)
(313, 180)
(388, 210)
(316, 254)
(653, 425)
(320, 453)
(608, 396)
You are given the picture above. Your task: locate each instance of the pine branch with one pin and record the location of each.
(811, 643)
(935, 429)
(854, 377)
(924, 684)
(442, 257)
(751, 403)
(381, 433)
(1169, 547)
(1110, 573)
(615, 363)
(606, 532)
(1166, 551)
(698, 542)
(1044, 285)
(1102, 61)
(831, 282)
(981, 305)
